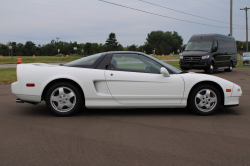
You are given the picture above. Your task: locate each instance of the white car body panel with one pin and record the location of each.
(192, 78)
(128, 89)
(144, 88)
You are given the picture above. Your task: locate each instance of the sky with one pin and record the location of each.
(41, 21)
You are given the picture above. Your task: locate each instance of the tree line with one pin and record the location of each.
(162, 42)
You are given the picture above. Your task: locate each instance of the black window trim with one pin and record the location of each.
(109, 66)
(94, 65)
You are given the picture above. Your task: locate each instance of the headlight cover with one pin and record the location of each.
(205, 57)
(181, 57)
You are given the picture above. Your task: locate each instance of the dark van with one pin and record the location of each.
(209, 52)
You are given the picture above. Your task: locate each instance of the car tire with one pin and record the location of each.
(230, 67)
(210, 69)
(63, 99)
(204, 100)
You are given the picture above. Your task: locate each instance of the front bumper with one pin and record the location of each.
(234, 99)
(201, 64)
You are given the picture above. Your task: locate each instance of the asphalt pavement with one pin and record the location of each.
(31, 135)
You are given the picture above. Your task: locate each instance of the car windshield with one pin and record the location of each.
(89, 60)
(198, 46)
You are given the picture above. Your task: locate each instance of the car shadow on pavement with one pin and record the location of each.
(135, 112)
(41, 110)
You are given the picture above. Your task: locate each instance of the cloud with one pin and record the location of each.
(93, 20)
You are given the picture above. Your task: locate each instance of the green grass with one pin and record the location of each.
(165, 57)
(38, 59)
(174, 63)
(240, 64)
(7, 75)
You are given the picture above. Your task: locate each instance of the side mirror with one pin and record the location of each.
(183, 49)
(165, 72)
(215, 49)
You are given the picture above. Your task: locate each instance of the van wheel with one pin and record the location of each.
(230, 67)
(210, 69)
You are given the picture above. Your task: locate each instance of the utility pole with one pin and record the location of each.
(246, 28)
(231, 17)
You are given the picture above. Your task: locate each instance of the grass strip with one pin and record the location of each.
(38, 59)
(8, 75)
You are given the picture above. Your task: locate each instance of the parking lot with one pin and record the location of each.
(31, 135)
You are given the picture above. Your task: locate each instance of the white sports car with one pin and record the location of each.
(121, 80)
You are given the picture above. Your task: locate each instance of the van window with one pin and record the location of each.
(226, 47)
(222, 47)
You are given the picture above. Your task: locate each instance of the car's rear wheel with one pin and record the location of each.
(63, 99)
(204, 100)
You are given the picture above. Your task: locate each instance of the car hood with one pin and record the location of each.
(193, 78)
(194, 53)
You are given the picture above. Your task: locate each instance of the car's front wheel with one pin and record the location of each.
(63, 99)
(204, 100)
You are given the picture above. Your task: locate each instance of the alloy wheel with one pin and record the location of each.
(63, 99)
(205, 100)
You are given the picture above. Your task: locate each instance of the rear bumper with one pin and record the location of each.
(29, 98)
(16, 89)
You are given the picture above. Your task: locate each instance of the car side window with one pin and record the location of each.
(134, 63)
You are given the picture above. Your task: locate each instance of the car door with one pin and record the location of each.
(215, 53)
(136, 79)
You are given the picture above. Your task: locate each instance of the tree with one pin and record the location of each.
(29, 48)
(164, 42)
(132, 47)
(111, 43)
